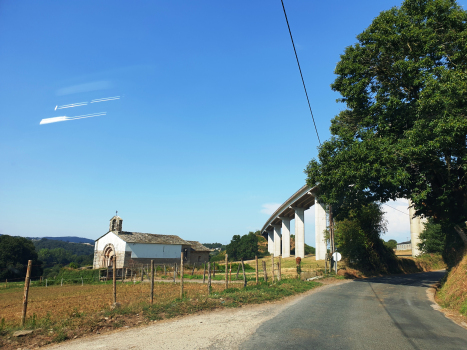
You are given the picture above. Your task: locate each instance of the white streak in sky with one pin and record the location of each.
(92, 86)
(65, 118)
(71, 105)
(105, 99)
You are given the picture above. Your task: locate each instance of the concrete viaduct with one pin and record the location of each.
(277, 228)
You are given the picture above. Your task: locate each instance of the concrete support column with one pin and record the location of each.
(270, 242)
(299, 232)
(320, 228)
(285, 237)
(277, 240)
(417, 225)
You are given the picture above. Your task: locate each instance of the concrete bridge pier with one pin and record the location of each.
(277, 240)
(417, 225)
(285, 237)
(299, 232)
(320, 228)
(270, 242)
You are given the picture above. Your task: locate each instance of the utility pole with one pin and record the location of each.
(331, 235)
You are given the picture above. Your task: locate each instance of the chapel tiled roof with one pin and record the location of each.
(198, 246)
(138, 237)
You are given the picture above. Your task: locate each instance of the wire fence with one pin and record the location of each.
(56, 298)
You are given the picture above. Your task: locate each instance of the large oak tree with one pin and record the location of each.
(403, 133)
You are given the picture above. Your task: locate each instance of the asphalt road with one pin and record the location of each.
(382, 313)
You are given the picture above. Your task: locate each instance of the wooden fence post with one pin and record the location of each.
(193, 271)
(265, 272)
(209, 278)
(256, 262)
(175, 272)
(26, 291)
(181, 276)
(244, 276)
(152, 281)
(114, 277)
(226, 271)
(272, 263)
(204, 273)
(230, 272)
(165, 271)
(280, 269)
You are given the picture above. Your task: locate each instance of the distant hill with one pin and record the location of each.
(71, 239)
(72, 248)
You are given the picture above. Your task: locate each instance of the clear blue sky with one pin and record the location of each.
(212, 130)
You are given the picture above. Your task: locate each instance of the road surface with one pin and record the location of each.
(383, 313)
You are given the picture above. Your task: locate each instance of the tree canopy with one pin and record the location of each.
(433, 238)
(403, 133)
(14, 255)
(245, 247)
(358, 238)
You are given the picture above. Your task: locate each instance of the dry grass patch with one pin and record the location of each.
(453, 293)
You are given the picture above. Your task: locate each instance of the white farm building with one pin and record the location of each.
(136, 248)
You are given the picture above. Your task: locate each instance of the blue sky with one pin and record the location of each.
(212, 130)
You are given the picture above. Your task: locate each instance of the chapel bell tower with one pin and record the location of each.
(116, 223)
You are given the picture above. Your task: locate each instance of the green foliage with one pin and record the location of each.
(14, 255)
(358, 240)
(245, 247)
(73, 248)
(433, 239)
(61, 256)
(70, 275)
(404, 131)
(53, 252)
(308, 250)
(391, 244)
(219, 257)
(214, 246)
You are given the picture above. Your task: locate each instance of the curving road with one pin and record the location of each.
(391, 312)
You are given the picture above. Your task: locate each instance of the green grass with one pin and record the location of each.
(231, 297)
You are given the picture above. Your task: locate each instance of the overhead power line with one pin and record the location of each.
(400, 211)
(301, 75)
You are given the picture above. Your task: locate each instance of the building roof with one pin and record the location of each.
(138, 237)
(408, 242)
(198, 246)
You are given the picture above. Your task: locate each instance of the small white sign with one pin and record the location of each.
(337, 256)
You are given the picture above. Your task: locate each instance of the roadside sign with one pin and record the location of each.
(337, 256)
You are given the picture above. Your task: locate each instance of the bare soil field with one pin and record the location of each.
(57, 302)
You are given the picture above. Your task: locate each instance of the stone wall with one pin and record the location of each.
(198, 257)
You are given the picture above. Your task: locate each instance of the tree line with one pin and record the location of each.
(48, 256)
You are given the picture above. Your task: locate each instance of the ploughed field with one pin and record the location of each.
(58, 302)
